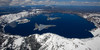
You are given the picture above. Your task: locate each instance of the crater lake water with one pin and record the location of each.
(70, 26)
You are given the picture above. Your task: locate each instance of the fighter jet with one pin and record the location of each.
(52, 18)
(41, 26)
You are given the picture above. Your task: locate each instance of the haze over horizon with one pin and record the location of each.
(50, 2)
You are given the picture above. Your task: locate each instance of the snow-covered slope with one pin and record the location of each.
(96, 31)
(13, 17)
(5, 19)
(14, 42)
(47, 41)
(55, 42)
(94, 18)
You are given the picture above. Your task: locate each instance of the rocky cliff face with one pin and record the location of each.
(47, 41)
(14, 42)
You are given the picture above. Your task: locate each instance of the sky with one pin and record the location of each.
(50, 2)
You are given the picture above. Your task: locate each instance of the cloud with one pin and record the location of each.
(5, 2)
(22, 2)
(46, 2)
(31, 2)
(85, 3)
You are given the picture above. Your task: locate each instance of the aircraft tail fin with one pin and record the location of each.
(36, 26)
(48, 17)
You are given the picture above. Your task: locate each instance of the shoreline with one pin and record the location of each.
(83, 15)
(94, 18)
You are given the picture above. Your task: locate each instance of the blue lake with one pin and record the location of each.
(70, 26)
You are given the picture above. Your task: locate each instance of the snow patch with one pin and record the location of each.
(51, 41)
(95, 32)
(18, 41)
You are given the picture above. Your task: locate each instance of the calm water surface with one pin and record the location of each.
(70, 26)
